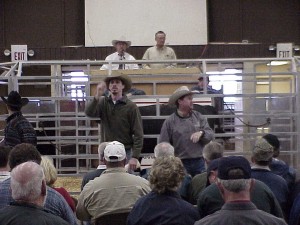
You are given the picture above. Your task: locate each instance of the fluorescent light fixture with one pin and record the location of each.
(263, 82)
(277, 63)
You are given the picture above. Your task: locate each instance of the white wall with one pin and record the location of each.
(184, 21)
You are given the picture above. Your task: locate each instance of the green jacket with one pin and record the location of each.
(210, 200)
(119, 122)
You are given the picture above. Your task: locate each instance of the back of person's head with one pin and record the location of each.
(115, 154)
(234, 173)
(166, 174)
(27, 182)
(274, 141)
(262, 152)
(49, 170)
(163, 149)
(22, 153)
(213, 150)
(212, 171)
(101, 148)
(4, 154)
(14, 108)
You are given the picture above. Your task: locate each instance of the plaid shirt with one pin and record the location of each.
(18, 130)
(54, 203)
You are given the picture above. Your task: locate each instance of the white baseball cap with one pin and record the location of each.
(114, 152)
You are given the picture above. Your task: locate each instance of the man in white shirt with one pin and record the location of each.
(159, 52)
(120, 45)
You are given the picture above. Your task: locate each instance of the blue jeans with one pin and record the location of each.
(128, 154)
(194, 166)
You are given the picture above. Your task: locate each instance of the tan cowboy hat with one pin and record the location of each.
(178, 93)
(121, 39)
(14, 99)
(124, 78)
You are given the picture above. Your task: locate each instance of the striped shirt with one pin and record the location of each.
(18, 130)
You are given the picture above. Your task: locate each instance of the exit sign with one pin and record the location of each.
(284, 50)
(18, 53)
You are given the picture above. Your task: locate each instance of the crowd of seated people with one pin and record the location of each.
(158, 199)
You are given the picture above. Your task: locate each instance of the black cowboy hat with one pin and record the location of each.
(14, 99)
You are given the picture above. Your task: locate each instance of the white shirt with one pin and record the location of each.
(116, 57)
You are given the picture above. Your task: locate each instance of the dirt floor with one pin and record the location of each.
(71, 184)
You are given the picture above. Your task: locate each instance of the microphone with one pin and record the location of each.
(122, 57)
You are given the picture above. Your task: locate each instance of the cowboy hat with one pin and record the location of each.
(14, 99)
(124, 78)
(121, 39)
(178, 93)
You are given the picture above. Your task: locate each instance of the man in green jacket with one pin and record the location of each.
(120, 118)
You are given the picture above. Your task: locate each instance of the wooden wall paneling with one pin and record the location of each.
(271, 21)
(2, 22)
(224, 21)
(33, 22)
(73, 22)
(46, 26)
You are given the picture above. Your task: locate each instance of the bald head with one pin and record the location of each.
(27, 181)
(163, 149)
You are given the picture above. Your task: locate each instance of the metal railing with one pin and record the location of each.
(267, 100)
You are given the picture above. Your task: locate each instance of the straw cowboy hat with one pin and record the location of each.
(121, 39)
(124, 78)
(178, 93)
(14, 99)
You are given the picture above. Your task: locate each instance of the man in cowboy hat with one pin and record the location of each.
(18, 129)
(187, 130)
(120, 45)
(120, 118)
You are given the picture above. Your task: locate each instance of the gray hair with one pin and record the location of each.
(236, 185)
(101, 148)
(163, 149)
(26, 181)
(213, 150)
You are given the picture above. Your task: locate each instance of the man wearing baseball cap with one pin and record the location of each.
(234, 182)
(18, 129)
(187, 130)
(115, 191)
(262, 154)
(277, 165)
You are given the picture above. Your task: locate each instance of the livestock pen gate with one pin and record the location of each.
(260, 95)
